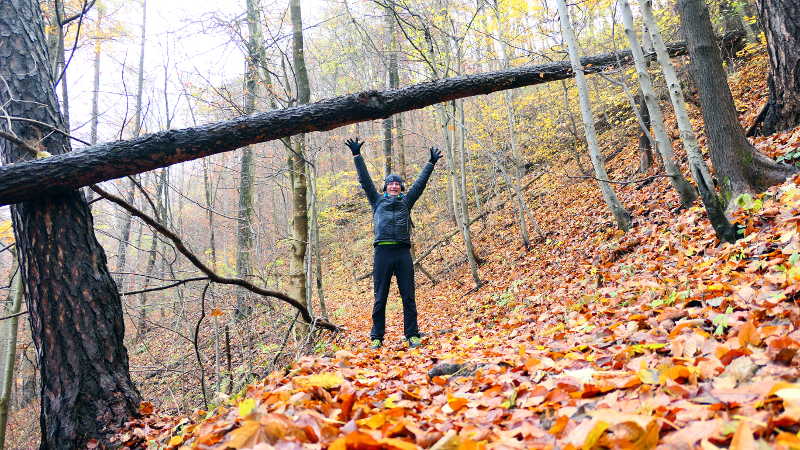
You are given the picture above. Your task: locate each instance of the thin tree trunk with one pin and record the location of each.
(95, 94)
(125, 219)
(725, 231)
(316, 244)
(663, 143)
(462, 192)
(142, 326)
(508, 96)
(15, 297)
(244, 228)
(623, 218)
(299, 188)
(740, 168)
(518, 169)
(645, 148)
(210, 214)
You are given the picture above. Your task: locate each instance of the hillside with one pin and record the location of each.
(591, 339)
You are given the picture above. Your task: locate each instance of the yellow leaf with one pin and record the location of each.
(246, 407)
(648, 376)
(175, 441)
(591, 439)
(325, 380)
(339, 444)
(6, 232)
(373, 422)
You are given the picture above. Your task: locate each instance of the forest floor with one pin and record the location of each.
(590, 339)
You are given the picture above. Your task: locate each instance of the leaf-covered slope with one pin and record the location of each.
(592, 339)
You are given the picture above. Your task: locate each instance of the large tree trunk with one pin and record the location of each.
(621, 215)
(112, 160)
(724, 230)
(75, 309)
(739, 166)
(297, 266)
(781, 21)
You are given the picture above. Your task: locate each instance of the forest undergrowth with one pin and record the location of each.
(590, 339)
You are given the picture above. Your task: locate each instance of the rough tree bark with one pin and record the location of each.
(75, 309)
(621, 215)
(781, 21)
(112, 160)
(724, 230)
(739, 167)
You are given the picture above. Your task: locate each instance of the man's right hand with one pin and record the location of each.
(355, 146)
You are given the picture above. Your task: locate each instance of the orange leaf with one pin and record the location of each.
(359, 439)
(456, 403)
(216, 312)
(145, 408)
(748, 334)
(398, 444)
(559, 425)
(788, 439)
(743, 438)
(531, 364)
(241, 437)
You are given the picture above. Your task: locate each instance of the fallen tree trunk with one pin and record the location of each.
(32, 179)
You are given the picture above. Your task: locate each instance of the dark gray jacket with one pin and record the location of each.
(391, 215)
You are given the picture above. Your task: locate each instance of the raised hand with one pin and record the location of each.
(436, 155)
(355, 145)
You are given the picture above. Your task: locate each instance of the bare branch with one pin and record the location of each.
(213, 276)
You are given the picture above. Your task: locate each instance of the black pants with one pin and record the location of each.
(393, 260)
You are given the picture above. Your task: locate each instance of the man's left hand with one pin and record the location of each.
(436, 155)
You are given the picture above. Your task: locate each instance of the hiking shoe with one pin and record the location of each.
(414, 341)
(376, 343)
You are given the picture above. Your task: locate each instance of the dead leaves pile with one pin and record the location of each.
(593, 339)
